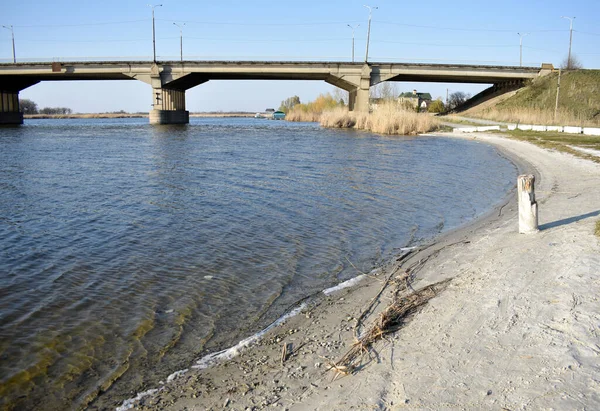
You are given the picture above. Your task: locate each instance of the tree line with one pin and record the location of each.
(384, 91)
(30, 107)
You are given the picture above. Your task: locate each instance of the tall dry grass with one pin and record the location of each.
(302, 115)
(312, 111)
(389, 118)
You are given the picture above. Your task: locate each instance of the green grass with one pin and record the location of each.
(454, 120)
(578, 105)
(559, 141)
(579, 94)
(597, 231)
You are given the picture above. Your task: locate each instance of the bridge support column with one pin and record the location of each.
(359, 97)
(169, 107)
(9, 108)
(359, 100)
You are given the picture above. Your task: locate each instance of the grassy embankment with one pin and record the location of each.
(578, 105)
(389, 118)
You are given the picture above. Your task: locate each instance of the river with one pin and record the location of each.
(128, 251)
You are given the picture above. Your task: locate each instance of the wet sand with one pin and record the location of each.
(516, 328)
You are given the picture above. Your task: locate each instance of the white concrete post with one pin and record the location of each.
(528, 210)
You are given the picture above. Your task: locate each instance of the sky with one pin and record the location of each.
(460, 31)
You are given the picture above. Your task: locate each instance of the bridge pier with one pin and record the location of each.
(169, 107)
(358, 99)
(9, 108)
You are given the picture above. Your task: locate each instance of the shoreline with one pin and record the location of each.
(442, 357)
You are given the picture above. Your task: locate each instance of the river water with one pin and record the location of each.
(128, 251)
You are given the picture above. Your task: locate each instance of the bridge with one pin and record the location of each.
(170, 79)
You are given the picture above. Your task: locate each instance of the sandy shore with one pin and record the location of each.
(516, 328)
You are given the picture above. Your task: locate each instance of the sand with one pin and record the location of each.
(517, 327)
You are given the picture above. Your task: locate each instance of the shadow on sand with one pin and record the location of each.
(569, 220)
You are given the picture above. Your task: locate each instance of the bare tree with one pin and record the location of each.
(456, 99)
(289, 103)
(340, 96)
(385, 90)
(573, 64)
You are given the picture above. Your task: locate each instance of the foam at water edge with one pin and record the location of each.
(176, 374)
(128, 404)
(211, 359)
(345, 284)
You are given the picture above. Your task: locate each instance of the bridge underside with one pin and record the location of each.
(170, 80)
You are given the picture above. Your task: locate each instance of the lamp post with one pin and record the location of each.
(353, 28)
(180, 39)
(570, 38)
(153, 31)
(521, 48)
(369, 29)
(13, 40)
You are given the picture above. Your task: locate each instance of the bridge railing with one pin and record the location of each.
(262, 58)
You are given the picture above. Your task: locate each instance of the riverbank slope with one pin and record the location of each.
(516, 328)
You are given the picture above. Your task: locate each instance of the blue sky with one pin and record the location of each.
(470, 31)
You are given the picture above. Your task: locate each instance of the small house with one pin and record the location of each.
(416, 99)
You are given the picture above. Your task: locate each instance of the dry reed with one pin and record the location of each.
(389, 321)
(390, 118)
(306, 116)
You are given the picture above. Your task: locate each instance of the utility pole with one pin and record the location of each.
(369, 30)
(13, 40)
(570, 39)
(521, 48)
(180, 40)
(557, 93)
(154, 31)
(353, 28)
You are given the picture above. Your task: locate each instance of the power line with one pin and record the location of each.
(446, 45)
(83, 24)
(223, 23)
(587, 32)
(92, 41)
(246, 40)
(462, 28)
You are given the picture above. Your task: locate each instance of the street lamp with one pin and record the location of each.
(353, 28)
(521, 47)
(13, 40)
(570, 38)
(180, 39)
(153, 30)
(369, 30)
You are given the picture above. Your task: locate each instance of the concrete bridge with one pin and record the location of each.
(170, 79)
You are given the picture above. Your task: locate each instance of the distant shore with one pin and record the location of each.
(218, 114)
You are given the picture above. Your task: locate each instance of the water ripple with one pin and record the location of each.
(129, 250)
